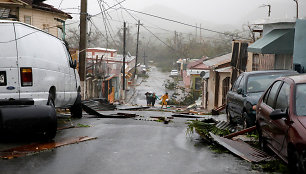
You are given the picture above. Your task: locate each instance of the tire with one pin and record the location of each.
(262, 141)
(50, 133)
(76, 108)
(246, 120)
(296, 162)
(228, 117)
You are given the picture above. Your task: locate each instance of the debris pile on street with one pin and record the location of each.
(40, 147)
(221, 132)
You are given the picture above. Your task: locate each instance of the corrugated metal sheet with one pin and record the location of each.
(242, 149)
(214, 62)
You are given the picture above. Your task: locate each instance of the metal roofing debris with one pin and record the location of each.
(226, 69)
(242, 149)
(132, 107)
(40, 147)
(216, 61)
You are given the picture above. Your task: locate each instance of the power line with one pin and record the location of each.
(109, 8)
(13, 40)
(60, 4)
(174, 50)
(182, 23)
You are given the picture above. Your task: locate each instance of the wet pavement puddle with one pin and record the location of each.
(40, 147)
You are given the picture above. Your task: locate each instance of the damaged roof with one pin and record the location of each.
(216, 61)
(198, 64)
(38, 4)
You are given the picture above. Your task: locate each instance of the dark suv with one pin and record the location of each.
(246, 92)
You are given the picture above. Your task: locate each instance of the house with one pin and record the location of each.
(217, 82)
(194, 69)
(36, 13)
(104, 72)
(274, 50)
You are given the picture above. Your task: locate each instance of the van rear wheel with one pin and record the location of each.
(76, 108)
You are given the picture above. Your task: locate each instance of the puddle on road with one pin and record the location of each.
(40, 147)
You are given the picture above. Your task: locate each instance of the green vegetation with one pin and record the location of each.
(275, 166)
(204, 127)
(82, 125)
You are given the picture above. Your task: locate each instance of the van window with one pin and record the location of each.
(35, 44)
(7, 41)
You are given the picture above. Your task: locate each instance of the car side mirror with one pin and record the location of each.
(74, 64)
(278, 114)
(239, 91)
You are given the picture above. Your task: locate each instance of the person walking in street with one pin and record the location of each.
(147, 94)
(154, 98)
(164, 99)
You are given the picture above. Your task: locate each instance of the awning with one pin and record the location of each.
(278, 41)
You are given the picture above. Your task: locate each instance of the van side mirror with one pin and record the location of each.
(278, 114)
(239, 91)
(74, 64)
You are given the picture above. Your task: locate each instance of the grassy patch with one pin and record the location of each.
(82, 125)
(275, 166)
(204, 127)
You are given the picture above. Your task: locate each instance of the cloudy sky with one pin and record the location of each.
(222, 13)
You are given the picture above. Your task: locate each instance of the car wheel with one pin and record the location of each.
(76, 108)
(262, 141)
(296, 161)
(228, 117)
(246, 120)
(50, 133)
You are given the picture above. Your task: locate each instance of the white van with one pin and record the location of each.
(36, 65)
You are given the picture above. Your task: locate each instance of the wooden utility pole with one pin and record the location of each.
(123, 65)
(83, 44)
(137, 48)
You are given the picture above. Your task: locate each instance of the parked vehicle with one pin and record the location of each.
(36, 69)
(174, 73)
(281, 120)
(245, 93)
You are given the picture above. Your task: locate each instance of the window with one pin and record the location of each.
(236, 84)
(282, 101)
(272, 94)
(266, 96)
(197, 84)
(28, 20)
(255, 62)
(46, 27)
(300, 96)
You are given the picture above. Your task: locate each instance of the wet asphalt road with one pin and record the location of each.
(127, 146)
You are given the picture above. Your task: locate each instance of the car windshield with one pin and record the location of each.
(300, 104)
(259, 83)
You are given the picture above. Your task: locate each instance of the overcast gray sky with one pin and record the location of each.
(217, 11)
(224, 13)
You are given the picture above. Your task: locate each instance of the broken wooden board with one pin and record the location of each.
(40, 147)
(242, 149)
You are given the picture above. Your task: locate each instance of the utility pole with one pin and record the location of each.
(144, 57)
(83, 44)
(137, 48)
(297, 8)
(200, 33)
(123, 65)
